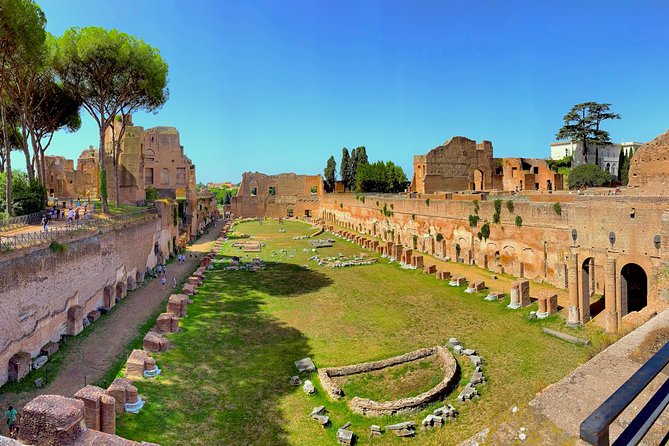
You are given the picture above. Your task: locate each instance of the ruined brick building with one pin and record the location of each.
(150, 160)
(461, 164)
(283, 195)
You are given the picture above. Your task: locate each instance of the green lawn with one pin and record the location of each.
(226, 381)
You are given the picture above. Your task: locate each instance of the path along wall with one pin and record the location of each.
(46, 294)
(541, 248)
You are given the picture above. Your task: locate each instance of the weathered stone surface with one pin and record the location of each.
(19, 366)
(155, 342)
(305, 365)
(39, 362)
(50, 348)
(309, 388)
(649, 167)
(51, 420)
(295, 381)
(93, 315)
(345, 437)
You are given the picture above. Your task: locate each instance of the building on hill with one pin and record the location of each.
(457, 165)
(283, 195)
(63, 180)
(609, 154)
(148, 160)
(518, 174)
(462, 164)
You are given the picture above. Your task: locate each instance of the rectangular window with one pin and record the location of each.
(181, 175)
(148, 176)
(272, 191)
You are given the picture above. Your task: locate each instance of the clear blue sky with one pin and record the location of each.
(278, 86)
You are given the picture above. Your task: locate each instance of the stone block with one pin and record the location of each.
(457, 281)
(91, 395)
(93, 316)
(167, 323)
(154, 342)
(19, 366)
(305, 365)
(51, 420)
(75, 320)
(547, 305)
(344, 437)
(177, 305)
(123, 392)
(189, 290)
(139, 362)
(49, 348)
(430, 269)
(523, 287)
(195, 281)
(443, 275)
(39, 362)
(417, 261)
(309, 388)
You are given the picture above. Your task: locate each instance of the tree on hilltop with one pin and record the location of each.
(583, 124)
(588, 175)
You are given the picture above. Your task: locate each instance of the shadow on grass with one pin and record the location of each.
(225, 378)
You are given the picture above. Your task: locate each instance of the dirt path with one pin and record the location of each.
(98, 351)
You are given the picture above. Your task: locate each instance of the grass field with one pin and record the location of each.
(226, 381)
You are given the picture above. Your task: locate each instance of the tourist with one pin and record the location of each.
(174, 282)
(76, 216)
(70, 215)
(10, 415)
(85, 216)
(163, 281)
(78, 202)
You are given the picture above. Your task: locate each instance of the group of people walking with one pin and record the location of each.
(72, 214)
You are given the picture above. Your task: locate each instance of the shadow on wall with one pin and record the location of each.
(230, 366)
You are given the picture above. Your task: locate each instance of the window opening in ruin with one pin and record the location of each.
(307, 213)
(289, 212)
(536, 170)
(272, 191)
(536, 186)
(314, 190)
(164, 176)
(634, 287)
(253, 191)
(148, 175)
(633, 213)
(181, 175)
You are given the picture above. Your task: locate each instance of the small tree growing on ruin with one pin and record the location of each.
(583, 124)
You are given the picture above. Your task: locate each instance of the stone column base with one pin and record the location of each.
(611, 321)
(572, 319)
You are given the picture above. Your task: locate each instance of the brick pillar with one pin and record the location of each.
(610, 295)
(572, 282)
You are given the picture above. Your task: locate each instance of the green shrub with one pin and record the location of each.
(557, 207)
(151, 193)
(427, 202)
(485, 230)
(58, 247)
(415, 241)
(497, 204)
(588, 175)
(473, 220)
(439, 237)
(476, 206)
(457, 250)
(495, 218)
(519, 221)
(509, 205)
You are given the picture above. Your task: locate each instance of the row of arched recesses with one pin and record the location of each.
(633, 285)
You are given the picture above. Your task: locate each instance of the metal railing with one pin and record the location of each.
(40, 236)
(13, 223)
(595, 428)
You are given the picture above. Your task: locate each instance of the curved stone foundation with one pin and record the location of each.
(378, 408)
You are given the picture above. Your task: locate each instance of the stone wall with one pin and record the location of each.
(280, 195)
(614, 231)
(46, 294)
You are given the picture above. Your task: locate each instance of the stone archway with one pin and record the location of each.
(478, 180)
(633, 287)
